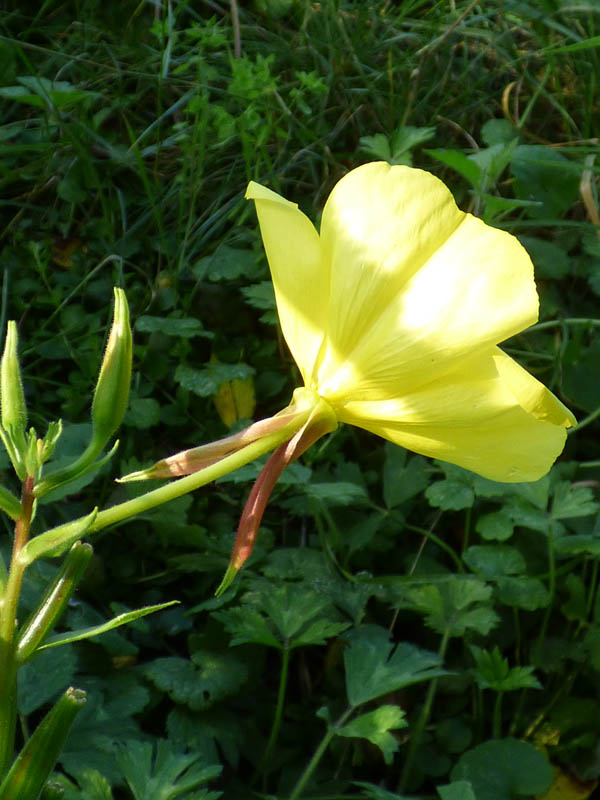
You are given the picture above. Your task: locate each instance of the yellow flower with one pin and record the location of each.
(393, 314)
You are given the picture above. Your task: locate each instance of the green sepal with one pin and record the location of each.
(55, 541)
(86, 462)
(10, 504)
(228, 579)
(35, 762)
(54, 601)
(96, 630)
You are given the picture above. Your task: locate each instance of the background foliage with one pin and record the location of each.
(404, 628)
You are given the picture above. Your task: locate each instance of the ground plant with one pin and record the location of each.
(404, 627)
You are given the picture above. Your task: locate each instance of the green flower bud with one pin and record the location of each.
(40, 753)
(112, 390)
(54, 601)
(12, 399)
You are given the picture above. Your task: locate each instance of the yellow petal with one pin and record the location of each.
(416, 284)
(301, 283)
(489, 416)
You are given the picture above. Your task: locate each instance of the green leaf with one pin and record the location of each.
(573, 501)
(457, 790)
(494, 560)
(498, 131)
(341, 493)
(459, 162)
(402, 478)
(543, 174)
(160, 773)
(373, 792)
(54, 542)
(454, 605)
(96, 630)
(44, 677)
(497, 525)
(492, 672)
(375, 726)
(375, 667)
(295, 617)
(450, 495)
(522, 592)
(143, 412)
(180, 327)
(503, 769)
(207, 678)
(92, 786)
(549, 260)
(205, 382)
(262, 296)
(226, 264)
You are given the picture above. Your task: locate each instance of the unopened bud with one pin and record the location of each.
(112, 390)
(12, 398)
(40, 753)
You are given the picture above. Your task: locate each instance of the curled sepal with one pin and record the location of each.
(10, 504)
(27, 776)
(55, 541)
(54, 601)
(321, 421)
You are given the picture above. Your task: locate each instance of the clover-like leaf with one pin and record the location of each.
(376, 726)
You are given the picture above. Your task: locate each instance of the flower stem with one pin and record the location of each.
(8, 623)
(421, 722)
(318, 754)
(181, 486)
(285, 660)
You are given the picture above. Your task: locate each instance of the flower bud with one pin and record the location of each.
(36, 760)
(112, 390)
(12, 399)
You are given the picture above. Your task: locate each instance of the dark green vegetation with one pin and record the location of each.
(128, 133)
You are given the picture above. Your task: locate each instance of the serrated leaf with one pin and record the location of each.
(143, 412)
(375, 667)
(504, 768)
(225, 264)
(375, 726)
(340, 493)
(453, 605)
(162, 773)
(493, 672)
(95, 630)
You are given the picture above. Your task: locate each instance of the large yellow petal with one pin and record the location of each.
(489, 416)
(416, 284)
(300, 280)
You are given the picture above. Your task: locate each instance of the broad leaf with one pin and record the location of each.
(375, 726)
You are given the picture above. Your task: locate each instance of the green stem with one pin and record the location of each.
(177, 488)
(497, 715)
(318, 754)
(417, 733)
(551, 585)
(283, 676)
(8, 622)
(555, 323)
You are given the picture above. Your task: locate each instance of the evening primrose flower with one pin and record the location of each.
(393, 313)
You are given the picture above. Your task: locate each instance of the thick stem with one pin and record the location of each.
(8, 624)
